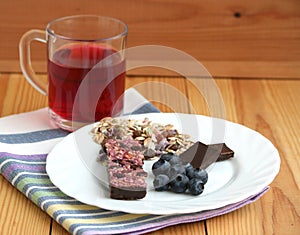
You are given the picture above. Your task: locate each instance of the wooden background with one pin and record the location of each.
(251, 38)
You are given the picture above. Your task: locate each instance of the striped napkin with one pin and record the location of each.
(25, 141)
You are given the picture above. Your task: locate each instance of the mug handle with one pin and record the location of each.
(25, 60)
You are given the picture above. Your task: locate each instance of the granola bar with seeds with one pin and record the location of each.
(155, 138)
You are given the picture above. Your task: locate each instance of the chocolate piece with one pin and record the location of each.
(201, 155)
(127, 179)
(226, 152)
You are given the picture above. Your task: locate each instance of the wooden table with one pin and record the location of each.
(270, 106)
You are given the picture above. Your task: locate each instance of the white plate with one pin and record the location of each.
(255, 165)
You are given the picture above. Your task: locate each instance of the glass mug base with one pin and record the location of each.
(65, 124)
(70, 125)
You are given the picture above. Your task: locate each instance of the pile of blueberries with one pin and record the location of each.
(172, 174)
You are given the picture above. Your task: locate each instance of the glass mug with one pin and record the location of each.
(86, 68)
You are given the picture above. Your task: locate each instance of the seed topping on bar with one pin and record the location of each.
(154, 138)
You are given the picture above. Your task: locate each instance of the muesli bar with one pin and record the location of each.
(127, 179)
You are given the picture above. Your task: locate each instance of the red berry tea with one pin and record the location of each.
(76, 67)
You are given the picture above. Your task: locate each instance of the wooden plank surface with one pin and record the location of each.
(245, 35)
(18, 215)
(268, 106)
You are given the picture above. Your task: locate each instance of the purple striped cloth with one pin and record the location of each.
(25, 141)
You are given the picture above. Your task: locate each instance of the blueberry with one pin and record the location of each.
(175, 160)
(167, 156)
(190, 172)
(158, 164)
(201, 174)
(176, 169)
(188, 167)
(179, 184)
(161, 182)
(195, 186)
(161, 167)
(198, 173)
